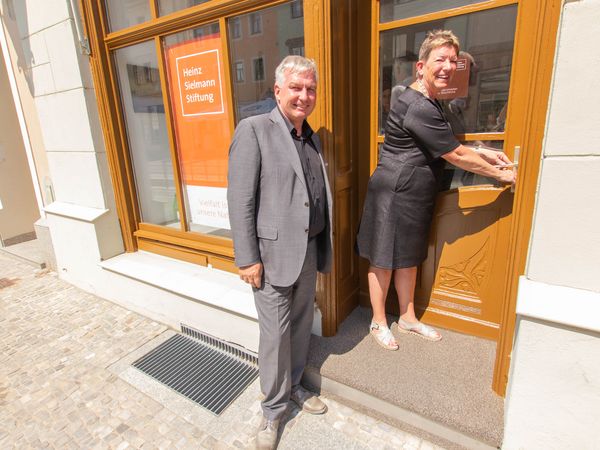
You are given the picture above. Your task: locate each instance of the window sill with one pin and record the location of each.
(72, 211)
(202, 284)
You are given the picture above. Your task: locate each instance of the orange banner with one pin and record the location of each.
(200, 112)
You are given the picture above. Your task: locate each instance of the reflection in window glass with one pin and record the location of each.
(297, 9)
(454, 177)
(235, 28)
(390, 10)
(195, 74)
(255, 21)
(126, 13)
(486, 38)
(281, 35)
(259, 68)
(143, 108)
(239, 72)
(169, 6)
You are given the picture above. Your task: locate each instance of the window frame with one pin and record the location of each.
(137, 235)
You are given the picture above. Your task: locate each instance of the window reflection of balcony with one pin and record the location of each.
(255, 108)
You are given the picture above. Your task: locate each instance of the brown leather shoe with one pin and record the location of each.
(266, 437)
(308, 401)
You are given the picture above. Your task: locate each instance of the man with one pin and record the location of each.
(280, 213)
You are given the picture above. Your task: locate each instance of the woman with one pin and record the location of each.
(401, 194)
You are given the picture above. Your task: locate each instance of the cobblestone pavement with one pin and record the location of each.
(66, 382)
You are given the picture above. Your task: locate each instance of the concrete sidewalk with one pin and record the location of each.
(66, 382)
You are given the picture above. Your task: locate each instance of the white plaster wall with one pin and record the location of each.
(555, 401)
(19, 208)
(553, 397)
(19, 64)
(565, 244)
(576, 91)
(60, 81)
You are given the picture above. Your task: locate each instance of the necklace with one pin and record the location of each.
(422, 88)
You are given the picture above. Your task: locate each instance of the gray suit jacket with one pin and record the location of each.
(268, 200)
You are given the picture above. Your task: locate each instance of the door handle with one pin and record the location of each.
(516, 153)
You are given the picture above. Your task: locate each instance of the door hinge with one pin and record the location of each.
(84, 47)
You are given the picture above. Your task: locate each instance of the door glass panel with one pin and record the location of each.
(258, 43)
(126, 13)
(201, 118)
(390, 10)
(143, 108)
(487, 40)
(169, 6)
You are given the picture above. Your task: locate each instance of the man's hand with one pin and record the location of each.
(252, 274)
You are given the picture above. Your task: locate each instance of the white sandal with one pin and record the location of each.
(419, 329)
(383, 336)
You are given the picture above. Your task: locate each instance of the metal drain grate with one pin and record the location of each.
(204, 369)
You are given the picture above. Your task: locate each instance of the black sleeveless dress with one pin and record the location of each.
(398, 210)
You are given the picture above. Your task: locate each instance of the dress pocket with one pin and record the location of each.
(405, 173)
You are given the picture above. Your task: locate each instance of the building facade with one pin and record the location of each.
(127, 111)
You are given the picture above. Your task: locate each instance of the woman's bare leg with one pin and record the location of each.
(379, 283)
(405, 281)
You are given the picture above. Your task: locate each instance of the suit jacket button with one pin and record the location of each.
(306, 230)
(306, 204)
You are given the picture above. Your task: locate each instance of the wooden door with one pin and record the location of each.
(345, 179)
(461, 285)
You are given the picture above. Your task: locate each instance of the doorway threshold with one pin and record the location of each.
(442, 388)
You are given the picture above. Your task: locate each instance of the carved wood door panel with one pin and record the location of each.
(461, 284)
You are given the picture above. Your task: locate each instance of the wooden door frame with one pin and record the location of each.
(531, 75)
(317, 42)
(535, 45)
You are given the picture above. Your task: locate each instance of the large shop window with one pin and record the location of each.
(144, 112)
(181, 94)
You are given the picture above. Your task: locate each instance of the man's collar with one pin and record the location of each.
(306, 129)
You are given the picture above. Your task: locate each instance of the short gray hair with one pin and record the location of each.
(295, 64)
(436, 39)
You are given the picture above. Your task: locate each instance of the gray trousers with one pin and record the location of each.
(285, 317)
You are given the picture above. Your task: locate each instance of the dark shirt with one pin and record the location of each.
(313, 174)
(417, 131)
